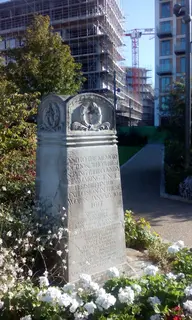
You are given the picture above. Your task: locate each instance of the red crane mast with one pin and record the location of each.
(135, 35)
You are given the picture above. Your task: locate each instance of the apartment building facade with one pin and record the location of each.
(92, 28)
(169, 53)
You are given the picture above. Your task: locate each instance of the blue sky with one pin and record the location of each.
(139, 14)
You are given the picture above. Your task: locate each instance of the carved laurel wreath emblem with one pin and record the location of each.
(91, 119)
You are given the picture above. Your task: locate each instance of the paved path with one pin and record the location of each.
(141, 186)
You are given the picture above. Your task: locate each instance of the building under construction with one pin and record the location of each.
(92, 28)
(143, 89)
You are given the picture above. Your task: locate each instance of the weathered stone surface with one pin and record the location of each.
(78, 168)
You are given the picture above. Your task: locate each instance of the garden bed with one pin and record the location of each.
(164, 292)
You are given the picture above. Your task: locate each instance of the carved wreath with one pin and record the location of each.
(91, 119)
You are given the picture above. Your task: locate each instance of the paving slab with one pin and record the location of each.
(140, 179)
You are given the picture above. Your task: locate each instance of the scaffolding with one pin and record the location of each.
(146, 92)
(92, 28)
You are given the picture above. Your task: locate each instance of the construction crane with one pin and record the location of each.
(135, 35)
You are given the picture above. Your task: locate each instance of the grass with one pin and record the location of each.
(125, 153)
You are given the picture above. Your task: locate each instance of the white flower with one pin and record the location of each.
(1, 304)
(81, 315)
(85, 280)
(153, 301)
(74, 305)
(113, 273)
(188, 306)
(4, 188)
(155, 317)
(65, 300)
(105, 300)
(43, 281)
(137, 288)
(9, 233)
(26, 318)
(93, 286)
(80, 291)
(151, 270)
(59, 253)
(30, 273)
(188, 291)
(68, 287)
(29, 234)
(180, 276)
(90, 307)
(23, 260)
(170, 276)
(126, 295)
(173, 249)
(46, 273)
(180, 244)
(29, 191)
(51, 295)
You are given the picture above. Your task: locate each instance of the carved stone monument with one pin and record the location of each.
(78, 168)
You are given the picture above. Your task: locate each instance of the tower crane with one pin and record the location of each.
(135, 35)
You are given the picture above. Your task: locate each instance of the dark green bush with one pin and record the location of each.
(175, 172)
(174, 154)
(132, 139)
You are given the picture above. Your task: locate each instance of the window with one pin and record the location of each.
(183, 26)
(182, 43)
(165, 83)
(164, 103)
(165, 26)
(182, 64)
(2, 45)
(165, 10)
(165, 64)
(165, 48)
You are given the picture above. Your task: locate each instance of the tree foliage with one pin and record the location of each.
(176, 110)
(44, 63)
(17, 141)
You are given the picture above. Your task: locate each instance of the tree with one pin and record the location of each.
(44, 63)
(17, 142)
(175, 112)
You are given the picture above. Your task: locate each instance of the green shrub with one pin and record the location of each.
(183, 262)
(132, 138)
(173, 178)
(174, 170)
(137, 232)
(174, 154)
(157, 253)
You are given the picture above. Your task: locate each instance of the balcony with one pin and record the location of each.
(164, 31)
(165, 69)
(180, 48)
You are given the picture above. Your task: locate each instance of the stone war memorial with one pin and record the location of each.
(78, 169)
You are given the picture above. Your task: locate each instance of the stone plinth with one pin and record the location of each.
(78, 168)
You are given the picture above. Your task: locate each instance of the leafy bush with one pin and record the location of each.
(132, 139)
(137, 232)
(174, 170)
(157, 253)
(183, 262)
(173, 178)
(174, 154)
